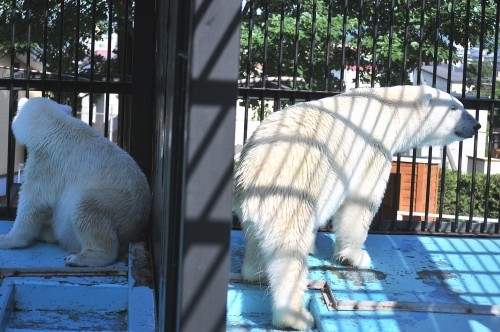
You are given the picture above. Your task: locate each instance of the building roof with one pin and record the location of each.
(442, 71)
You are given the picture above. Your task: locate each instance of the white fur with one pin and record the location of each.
(79, 189)
(329, 158)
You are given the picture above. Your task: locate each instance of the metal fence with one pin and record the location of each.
(175, 107)
(77, 52)
(159, 79)
(295, 51)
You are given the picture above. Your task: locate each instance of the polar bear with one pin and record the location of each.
(80, 190)
(329, 158)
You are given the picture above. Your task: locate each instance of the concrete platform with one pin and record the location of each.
(39, 293)
(415, 283)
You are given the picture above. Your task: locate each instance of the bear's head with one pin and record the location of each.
(442, 119)
(34, 116)
(425, 116)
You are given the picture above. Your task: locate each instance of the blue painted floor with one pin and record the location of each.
(431, 283)
(39, 293)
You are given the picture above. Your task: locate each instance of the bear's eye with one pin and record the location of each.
(453, 108)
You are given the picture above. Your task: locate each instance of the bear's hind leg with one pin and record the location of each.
(47, 234)
(252, 268)
(100, 244)
(287, 272)
(285, 245)
(90, 225)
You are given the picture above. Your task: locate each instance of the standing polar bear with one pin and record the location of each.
(80, 190)
(329, 158)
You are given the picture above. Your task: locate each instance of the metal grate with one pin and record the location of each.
(301, 50)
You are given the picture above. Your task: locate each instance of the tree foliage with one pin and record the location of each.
(481, 205)
(480, 77)
(385, 40)
(60, 33)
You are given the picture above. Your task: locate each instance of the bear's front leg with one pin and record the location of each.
(27, 226)
(350, 225)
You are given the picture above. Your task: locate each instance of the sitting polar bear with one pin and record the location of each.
(329, 158)
(79, 189)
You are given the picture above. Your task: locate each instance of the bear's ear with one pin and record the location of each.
(425, 100)
(21, 103)
(66, 109)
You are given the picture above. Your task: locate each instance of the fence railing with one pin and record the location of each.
(77, 52)
(295, 51)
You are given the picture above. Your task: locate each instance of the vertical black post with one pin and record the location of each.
(210, 124)
(196, 88)
(141, 115)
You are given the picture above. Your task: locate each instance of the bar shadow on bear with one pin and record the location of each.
(329, 158)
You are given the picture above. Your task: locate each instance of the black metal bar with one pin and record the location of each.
(450, 47)
(404, 75)
(478, 95)
(296, 41)
(76, 59)
(45, 43)
(421, 42)
(427, 192)
(92, 63)
(454, 225)
(28, 42)
(108, 69)
(343, 61)
(358, 41)
(412, 187)
(126, 64)
(264, 64)
(466, 47)
(11, 155)
(439, 221)
(313, 39)
(141, 118)
(397, 191)
(374, 46)
(391, 42)
(327, 68)
(490, 130)
(436, 42)
(12, 109)
(281, 41)
(60, 53)
(248, 67)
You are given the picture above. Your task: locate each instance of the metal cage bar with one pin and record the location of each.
(52, 53)
(413, 35)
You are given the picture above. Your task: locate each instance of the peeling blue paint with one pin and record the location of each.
(39, 293)
(445, 273)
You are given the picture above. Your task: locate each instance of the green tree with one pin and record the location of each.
(59, 33)
(377, 35)
(481, 206)
(483, 82)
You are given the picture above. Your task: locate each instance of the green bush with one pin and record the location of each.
(465, 194)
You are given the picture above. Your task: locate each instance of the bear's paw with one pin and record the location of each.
(9, 242)
(356, 258)
(251, 274)
(287, 318)
(88, 257)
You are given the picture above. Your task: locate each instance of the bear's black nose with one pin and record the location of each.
(477, 127)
